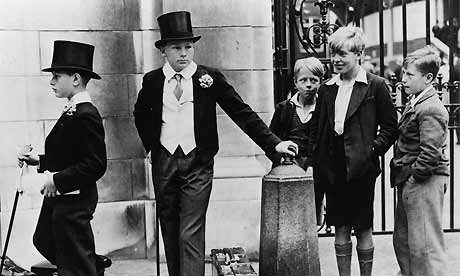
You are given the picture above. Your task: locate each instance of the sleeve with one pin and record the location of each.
(92, 162)
(143, 114)
(275, 127)
(387, 119)
(433, 132)
(246, 119)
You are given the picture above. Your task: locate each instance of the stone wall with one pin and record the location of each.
(236, 38)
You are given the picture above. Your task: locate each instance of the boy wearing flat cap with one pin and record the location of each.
(74, 159)
(175, 115)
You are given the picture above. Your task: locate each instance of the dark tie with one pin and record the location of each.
(178, 90)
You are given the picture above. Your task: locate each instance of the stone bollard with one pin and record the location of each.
(288, 233)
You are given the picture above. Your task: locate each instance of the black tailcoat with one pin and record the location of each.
(75, 151)
(149, 105)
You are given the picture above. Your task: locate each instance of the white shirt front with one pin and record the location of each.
(177, 128)
(343, 98)
(304, 112)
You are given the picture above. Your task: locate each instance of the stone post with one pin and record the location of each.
(288, 238)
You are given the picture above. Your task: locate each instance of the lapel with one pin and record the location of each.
(358, 94)
(409, 109)
(59, 123)
(157, 97)
(330, 95)
(197, 99)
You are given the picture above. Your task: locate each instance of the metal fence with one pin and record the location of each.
(291, 31)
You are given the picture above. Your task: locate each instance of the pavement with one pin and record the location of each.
(384, 260)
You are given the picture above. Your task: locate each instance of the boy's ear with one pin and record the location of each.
(429, 77)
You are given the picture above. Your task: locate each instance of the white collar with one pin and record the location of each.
(414, 100)
(360, 77)
(295, 100)
(186, 73)
(81, 97)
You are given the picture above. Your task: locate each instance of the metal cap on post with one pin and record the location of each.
(288, 237)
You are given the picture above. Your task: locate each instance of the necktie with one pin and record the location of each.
(178, 90)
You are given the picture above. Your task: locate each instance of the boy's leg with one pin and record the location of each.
(400, 242)
(343, 249)
(194, 199)
(166, 186)
(423, 203)
(365, 250)
(75, 251)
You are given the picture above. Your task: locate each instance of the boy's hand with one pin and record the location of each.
(25, 155)
(48, 189)
(287, 147)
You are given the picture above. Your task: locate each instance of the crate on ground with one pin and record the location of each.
(231, 262)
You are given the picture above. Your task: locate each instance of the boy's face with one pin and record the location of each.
(307, 83)
(179, 54)
(413, 80)
(344, 60)
(62, 85)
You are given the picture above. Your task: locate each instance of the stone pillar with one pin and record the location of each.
(288, 238)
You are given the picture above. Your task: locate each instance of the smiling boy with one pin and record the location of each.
(355, 123)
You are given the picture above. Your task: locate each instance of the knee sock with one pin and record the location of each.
(343, 255)
(365, 258)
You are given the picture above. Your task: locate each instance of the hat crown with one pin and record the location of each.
(73, 55)
(175, 26)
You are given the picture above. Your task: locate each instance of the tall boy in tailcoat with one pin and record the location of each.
(175, 115)
(74, 159)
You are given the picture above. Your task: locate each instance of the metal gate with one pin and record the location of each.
(296, 35)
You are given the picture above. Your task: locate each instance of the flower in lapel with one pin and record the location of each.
(70, 109)
(205, 80)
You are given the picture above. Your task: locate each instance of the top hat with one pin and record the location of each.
(73, 55)
(175, 26)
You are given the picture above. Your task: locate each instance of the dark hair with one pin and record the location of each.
(85, 77)
(426, 60)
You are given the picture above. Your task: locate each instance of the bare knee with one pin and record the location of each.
(364, 238)
(342, 234)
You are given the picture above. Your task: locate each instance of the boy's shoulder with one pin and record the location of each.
(153, 73)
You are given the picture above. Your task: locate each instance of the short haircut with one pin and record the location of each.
(311, 64)
(348, 38)
(426, 60)
(85, 77)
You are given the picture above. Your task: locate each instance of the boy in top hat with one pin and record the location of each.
(74, 159)
(175, 115)
(356, 122)
(420, 170)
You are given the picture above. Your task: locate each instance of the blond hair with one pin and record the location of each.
(348, 38)
(311, 64)
(426, 60)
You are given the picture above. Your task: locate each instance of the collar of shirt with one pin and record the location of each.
(295, 100)
(360, 77)
(304, 112)
(186, 73)
(414, 100)
(81, 97)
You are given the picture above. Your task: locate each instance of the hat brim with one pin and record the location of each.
(160, 43)
(57, 68)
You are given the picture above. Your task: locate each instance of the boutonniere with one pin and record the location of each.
(205, 81)
(70, 109)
